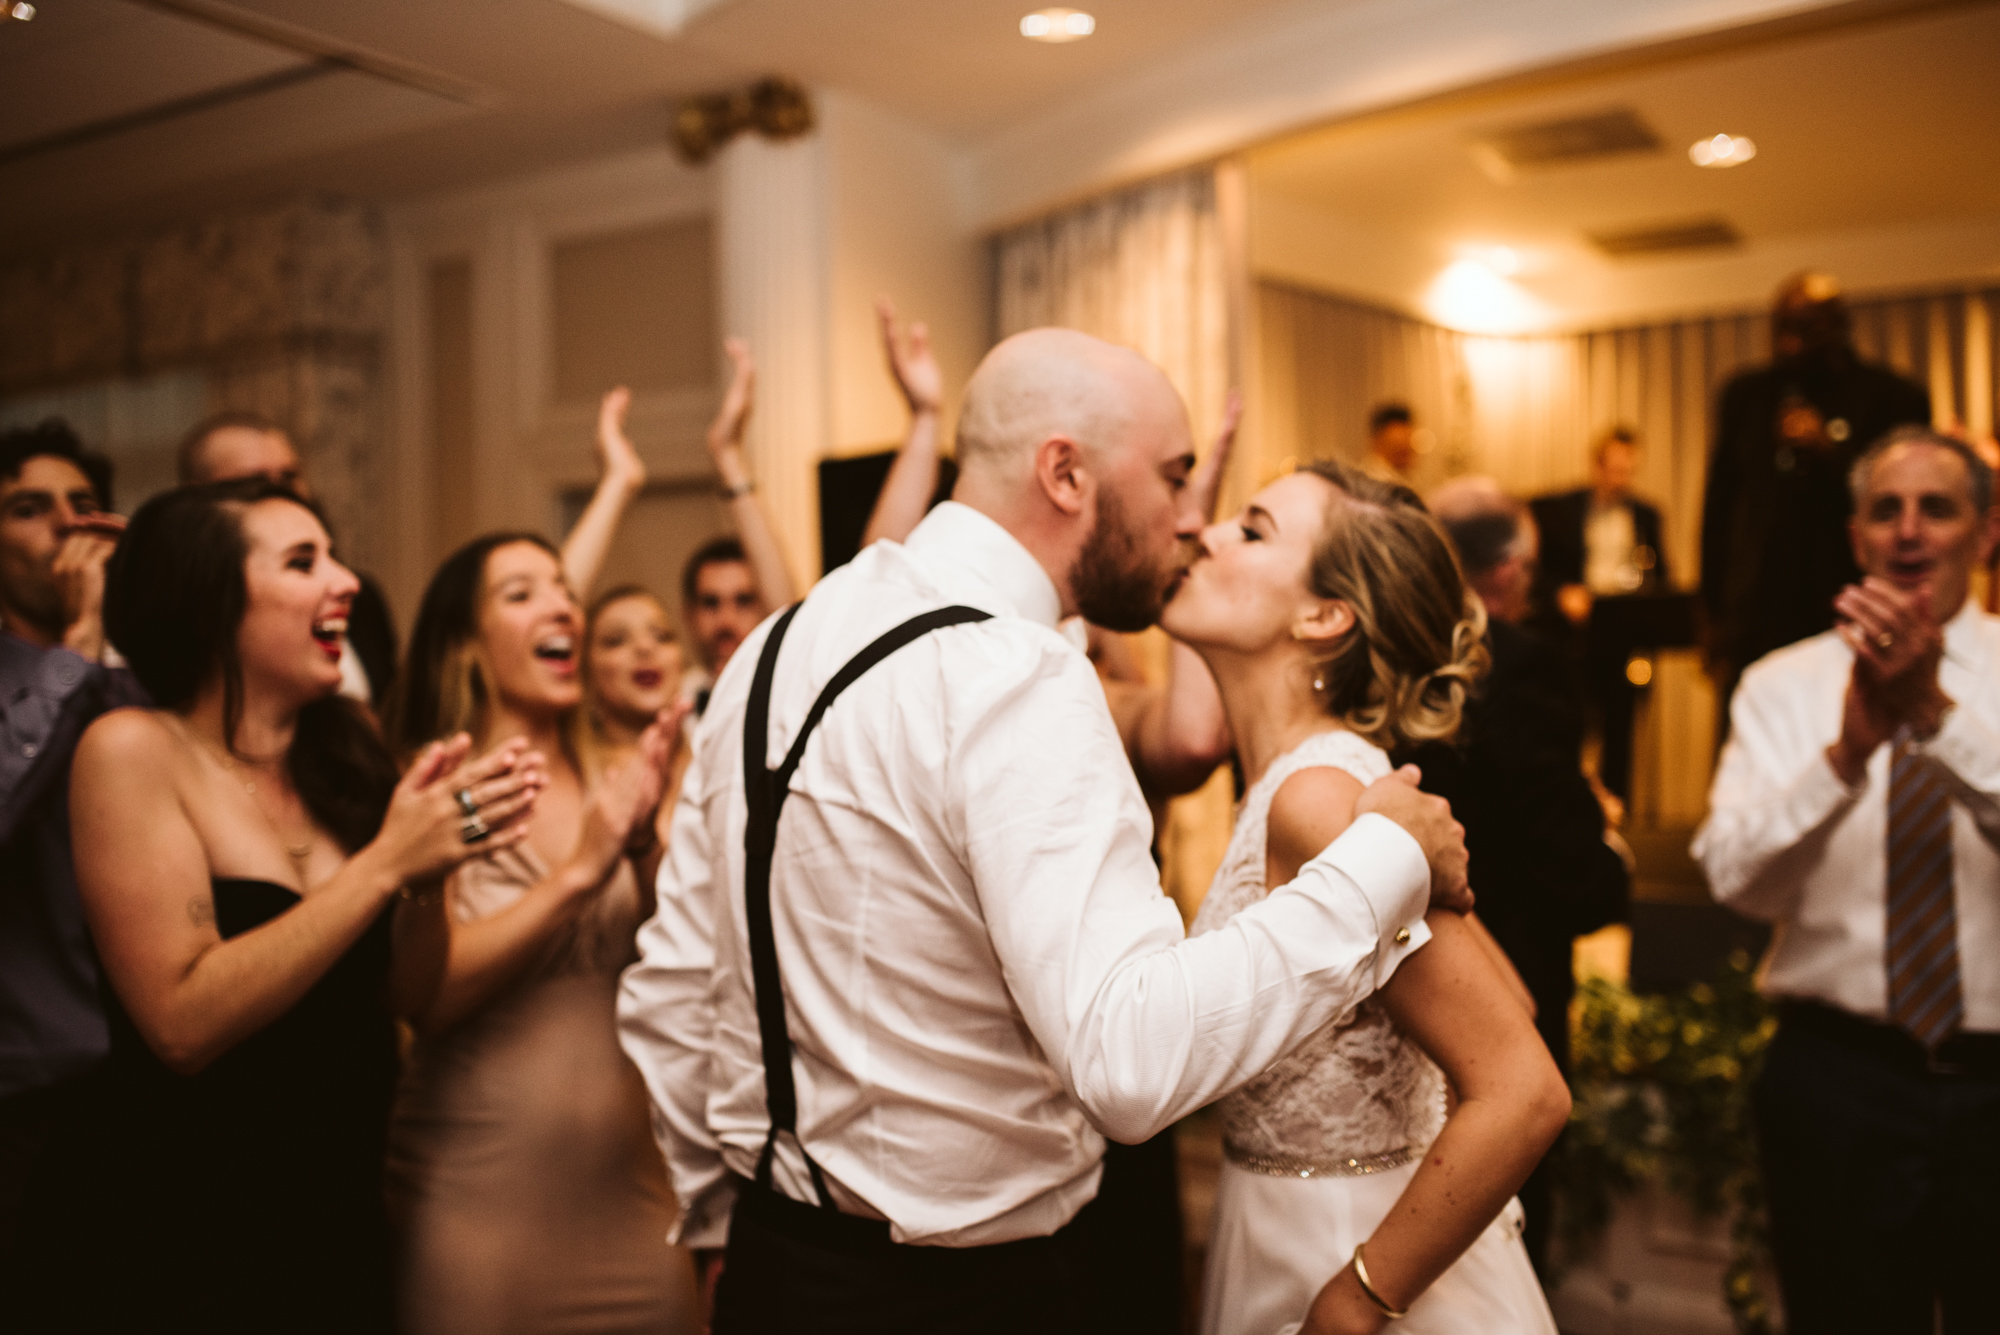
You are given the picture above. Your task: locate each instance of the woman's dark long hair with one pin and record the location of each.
(443, 688)
(174, 597)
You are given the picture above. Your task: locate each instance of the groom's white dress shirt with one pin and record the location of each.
(1787, 841)
(981, 972)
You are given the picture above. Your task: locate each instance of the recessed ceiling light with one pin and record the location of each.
(1721, 150)
(1058, 25)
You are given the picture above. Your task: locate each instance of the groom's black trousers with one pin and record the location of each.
(794, 1267)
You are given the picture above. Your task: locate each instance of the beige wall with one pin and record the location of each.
(896, 231)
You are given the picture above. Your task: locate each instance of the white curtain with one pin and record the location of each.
(1150, 267)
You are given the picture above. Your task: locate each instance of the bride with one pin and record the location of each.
(1372, 1171)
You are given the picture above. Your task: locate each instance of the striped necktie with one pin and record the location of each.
(1922, 954)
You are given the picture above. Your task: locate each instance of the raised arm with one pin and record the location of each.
(144, 878)
(621, 476)
(912, 481)
(725, 446)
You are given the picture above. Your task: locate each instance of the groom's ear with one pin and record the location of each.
(1062, 473)
(1323, 626)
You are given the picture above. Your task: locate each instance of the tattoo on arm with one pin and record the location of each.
(201, 911)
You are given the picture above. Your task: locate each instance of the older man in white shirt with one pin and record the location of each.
(967, 971)
(1857, 806)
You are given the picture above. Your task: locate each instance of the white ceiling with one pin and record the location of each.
(115, 113)
(1883, 133)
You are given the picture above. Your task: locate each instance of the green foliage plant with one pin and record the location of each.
(1660, 1090)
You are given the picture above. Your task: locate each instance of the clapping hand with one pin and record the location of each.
(448, 809)
(615, 456)
(619, 818)
(1898, 645)
(911, 361)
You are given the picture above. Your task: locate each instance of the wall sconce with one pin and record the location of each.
(775, 108)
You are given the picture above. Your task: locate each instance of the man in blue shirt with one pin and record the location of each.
(55, 537)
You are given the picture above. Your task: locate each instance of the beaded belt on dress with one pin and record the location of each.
(1285, 1165)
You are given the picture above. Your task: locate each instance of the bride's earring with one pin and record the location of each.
(1318, 684)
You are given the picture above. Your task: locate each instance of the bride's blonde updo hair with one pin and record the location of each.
(1401, 676)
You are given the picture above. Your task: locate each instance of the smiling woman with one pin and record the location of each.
(236, 853)
(522, 1172)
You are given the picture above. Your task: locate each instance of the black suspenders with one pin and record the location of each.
(766, 790)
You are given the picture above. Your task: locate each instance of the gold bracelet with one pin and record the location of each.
(1361, 1273)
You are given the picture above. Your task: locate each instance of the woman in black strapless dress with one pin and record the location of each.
(237, 851)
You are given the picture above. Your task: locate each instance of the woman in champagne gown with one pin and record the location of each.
(1369, 1175)
(527, 1191)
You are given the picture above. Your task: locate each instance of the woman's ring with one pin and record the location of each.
(1885, 639)
(466, 804)
(472, 829)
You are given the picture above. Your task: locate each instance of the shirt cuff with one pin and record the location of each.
(704, 1224)
(1388, 867)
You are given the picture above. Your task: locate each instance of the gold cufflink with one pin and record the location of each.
(1402, 936)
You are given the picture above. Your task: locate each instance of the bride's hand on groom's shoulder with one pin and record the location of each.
(1430, 823)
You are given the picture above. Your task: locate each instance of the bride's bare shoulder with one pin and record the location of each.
(1309, 811)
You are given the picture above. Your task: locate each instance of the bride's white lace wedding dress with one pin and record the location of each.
(1318, 1147)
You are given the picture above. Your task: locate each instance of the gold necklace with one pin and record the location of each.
(297, 853)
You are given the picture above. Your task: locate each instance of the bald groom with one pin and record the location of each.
(911, 962)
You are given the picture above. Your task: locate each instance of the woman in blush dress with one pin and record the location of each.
(523, 1174)
(632, 670)
(237, 852)
(1370, 1173)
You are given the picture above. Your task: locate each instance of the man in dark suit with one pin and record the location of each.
(1774, 545)
(1542, 867)
(1599, 541)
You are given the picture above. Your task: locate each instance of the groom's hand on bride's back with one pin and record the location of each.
(1430, 823)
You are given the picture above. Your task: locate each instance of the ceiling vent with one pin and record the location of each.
(1559, 143)
(1694, 234)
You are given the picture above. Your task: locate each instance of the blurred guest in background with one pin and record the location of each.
(1600, 541)
(55, 538)
(1543, 868)
(236, 852)
(231, 445)
(1774, 547)
(732, 583)
(528, 1193)
(632, 669)
(1857, 805)
(1392, 444)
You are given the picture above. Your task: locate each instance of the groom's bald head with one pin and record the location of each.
(1054, 382)
(1081, 450)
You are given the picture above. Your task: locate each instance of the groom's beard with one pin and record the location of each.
(1114, 585)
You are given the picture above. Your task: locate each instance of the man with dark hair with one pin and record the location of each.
(236, 444)
(1546, 874)
(1600, 541)
(720, 602)
(1857, 806)
(1774, 546)
(55, 538)
(1392, 443)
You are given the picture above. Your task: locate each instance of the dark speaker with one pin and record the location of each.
(847, 491)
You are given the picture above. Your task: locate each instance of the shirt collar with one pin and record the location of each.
(1962, 639)
(961, 536)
